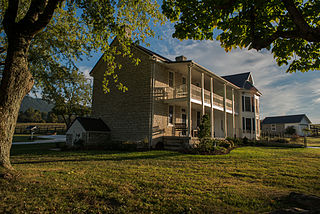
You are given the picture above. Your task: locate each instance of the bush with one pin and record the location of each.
(295, 137)
(290, 130)
(205, 127)
(206, 145)
(224, 143)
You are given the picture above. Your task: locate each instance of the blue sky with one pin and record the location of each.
(282, 93)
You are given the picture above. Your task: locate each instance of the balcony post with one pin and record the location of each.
(189, 101)
(211, 107)
(233, 117)
(225, 109)
(202, 94)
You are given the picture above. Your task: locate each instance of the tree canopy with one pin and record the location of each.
(77, 28)
(289, 28)
(42, 39)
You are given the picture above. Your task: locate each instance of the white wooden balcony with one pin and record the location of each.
(180, 93)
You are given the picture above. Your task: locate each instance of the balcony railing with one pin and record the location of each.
(167, 93)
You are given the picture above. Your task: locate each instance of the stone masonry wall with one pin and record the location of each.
(127, 114)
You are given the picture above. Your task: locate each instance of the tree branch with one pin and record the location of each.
(36, 7)
(42, 18)
(306, 31)
(10, 16)
(259, 43)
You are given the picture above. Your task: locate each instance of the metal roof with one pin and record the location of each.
(285, 119)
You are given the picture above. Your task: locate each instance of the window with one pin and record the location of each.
(243, 104)
(170, 79)
(170, 115)
(253, 125)
(248, 125)
(252, 103)
(243, 124)
(198, 118)
(273, 127)
(247, 104)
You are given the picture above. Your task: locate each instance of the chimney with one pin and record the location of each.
(181, 58)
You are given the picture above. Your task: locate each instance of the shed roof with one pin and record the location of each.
(285, 119)
(92, 124)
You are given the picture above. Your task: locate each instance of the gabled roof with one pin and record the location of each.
(242, 80)
(238, 79)
(151, 53)
(285, 119)
(92, 124)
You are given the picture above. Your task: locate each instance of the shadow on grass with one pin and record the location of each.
(117, 158)
(43, 150)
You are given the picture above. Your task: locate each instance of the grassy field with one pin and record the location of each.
(248, 180)
(25, 138)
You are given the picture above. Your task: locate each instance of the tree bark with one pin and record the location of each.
(17, 81)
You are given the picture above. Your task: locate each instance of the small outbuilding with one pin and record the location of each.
(87, 131)
(278, 124)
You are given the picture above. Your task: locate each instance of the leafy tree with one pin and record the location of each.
(39, 37)
(71, 94)
(52, 117)
(290, 28)
(31, 115)
(290, 130)
(205, 127)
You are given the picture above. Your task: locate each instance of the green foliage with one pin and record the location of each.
(205, 127)
(80, 27)
(290, 130)
(31, 115)
(70, 94)
(212, 146)
(290, 29)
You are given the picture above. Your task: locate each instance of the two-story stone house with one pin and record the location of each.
(166, 100)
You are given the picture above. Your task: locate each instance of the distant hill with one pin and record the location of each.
(35, 103)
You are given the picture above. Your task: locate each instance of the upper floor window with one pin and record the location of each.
(273, 127)
(248, 104)
(170, 79)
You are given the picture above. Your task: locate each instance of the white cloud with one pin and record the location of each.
(85, 70)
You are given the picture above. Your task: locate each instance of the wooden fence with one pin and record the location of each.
(42, 128)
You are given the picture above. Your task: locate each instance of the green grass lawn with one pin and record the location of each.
(25, 138)
(248, 180)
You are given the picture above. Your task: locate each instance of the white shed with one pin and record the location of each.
(87, 131)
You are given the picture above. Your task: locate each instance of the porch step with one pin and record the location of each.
(174, 143)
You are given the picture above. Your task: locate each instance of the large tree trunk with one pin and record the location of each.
(17, 81)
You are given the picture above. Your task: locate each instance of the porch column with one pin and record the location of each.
(202, 94)
(240, 116)
(189, 101)
(233, 117)
(225, 109)
(211, 107)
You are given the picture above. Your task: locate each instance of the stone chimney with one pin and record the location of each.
(181, 58)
